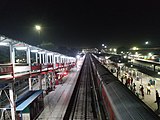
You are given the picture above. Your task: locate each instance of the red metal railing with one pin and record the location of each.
(6, 69)
(36, 67)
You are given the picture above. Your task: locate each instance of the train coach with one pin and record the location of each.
(118, 101)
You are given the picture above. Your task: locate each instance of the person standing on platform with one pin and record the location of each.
(142, 91)
(134, 87)
(148, 89)
(157, 99)
(122, 79)
(131, 80)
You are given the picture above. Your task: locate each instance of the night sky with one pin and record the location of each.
(82, 23)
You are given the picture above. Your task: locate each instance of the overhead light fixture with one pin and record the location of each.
(21, 48)
(42, 52)
(34, 51)
(3, 44)
(49, 53)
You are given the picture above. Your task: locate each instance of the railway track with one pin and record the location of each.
(81, 106)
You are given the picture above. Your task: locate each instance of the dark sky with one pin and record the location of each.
(82, 23)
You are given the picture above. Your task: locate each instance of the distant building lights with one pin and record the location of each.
(153, 57)
(135, 48)
(114, 49)
(125, 56)
(150, 54)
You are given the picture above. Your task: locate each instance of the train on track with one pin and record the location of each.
(119, 102)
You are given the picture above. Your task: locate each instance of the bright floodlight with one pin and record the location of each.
(146, 42)
(102, 44)
(78, 56)
(21, 48)
(3, 44)
(38, 27)
(150, 54)
(114, 49)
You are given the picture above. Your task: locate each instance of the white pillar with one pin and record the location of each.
(36, 57)
(53, 80)
(12, 103)
(46, 58)
(40, 82)
(43, 59)
(50, 59)
(46, 81)
(30, 83)
(12, 57)
(28, 56)
(12, 54)
(54, 61)
(40, 58)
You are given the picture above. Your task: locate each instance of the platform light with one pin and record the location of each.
(21, 48)
(34, 51)
(49, 53)
(77, 56)
(3, 44)
(42, 52)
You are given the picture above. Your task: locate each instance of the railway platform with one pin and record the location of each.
(56, 102)
(143, 79)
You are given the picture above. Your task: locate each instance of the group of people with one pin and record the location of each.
(128, 81)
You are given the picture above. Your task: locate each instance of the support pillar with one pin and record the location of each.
(40, 58)
(30, 83)
(53, 81)
(40, 82)
(12, 103)
(43, 58)
(46, 81)
(36, 57)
